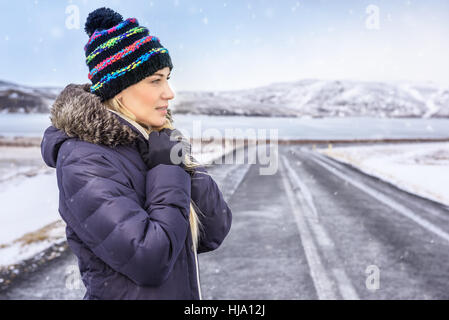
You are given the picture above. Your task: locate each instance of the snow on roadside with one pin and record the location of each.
(207, 153)
(28, 215)
(419, 168)
(29, 218)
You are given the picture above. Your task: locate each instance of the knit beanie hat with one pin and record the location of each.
(120, 53)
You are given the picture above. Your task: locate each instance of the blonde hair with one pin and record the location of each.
(196, 226)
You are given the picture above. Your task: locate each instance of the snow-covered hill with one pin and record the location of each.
(307, 97)
(25, 99)
(322, 98)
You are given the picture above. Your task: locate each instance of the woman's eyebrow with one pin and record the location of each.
(160, 74)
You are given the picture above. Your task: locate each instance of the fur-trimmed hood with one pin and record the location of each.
(79, 113)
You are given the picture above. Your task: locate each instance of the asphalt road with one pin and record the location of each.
(315, 229)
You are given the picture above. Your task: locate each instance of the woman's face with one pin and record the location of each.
(148, 99)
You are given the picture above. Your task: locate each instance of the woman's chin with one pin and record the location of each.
(158, 122)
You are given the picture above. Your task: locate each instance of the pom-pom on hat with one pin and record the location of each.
(120, 53)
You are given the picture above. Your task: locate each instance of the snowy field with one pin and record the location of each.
(419, 168)
(29, 218)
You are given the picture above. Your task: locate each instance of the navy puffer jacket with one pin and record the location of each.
(127, 225)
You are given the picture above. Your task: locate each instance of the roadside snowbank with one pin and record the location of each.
(419, 168)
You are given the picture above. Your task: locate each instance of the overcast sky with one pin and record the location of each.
(226, 45)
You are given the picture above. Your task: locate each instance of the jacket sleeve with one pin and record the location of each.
(217, 216)
(142, 243)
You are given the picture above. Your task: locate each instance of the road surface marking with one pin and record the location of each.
(382, 198)
(321, 281)
(345, 287)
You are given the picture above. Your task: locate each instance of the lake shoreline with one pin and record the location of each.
(24, 141)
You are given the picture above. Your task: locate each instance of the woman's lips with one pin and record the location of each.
(162, 110)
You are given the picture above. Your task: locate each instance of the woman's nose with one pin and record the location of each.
(168, 92)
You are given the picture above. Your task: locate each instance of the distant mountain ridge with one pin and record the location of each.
(15, 98)
(322, 98)
(304, 98)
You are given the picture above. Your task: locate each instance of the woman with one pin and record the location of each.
(136, 216)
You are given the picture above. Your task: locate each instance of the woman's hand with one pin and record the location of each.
(164, 147)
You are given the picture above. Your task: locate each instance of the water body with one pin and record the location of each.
(33, 125)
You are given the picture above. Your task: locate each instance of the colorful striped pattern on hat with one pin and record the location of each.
(97, 34)
(122, 56)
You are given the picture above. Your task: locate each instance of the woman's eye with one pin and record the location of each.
(159, 80)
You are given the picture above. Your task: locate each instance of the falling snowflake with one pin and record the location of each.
(269, 12)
